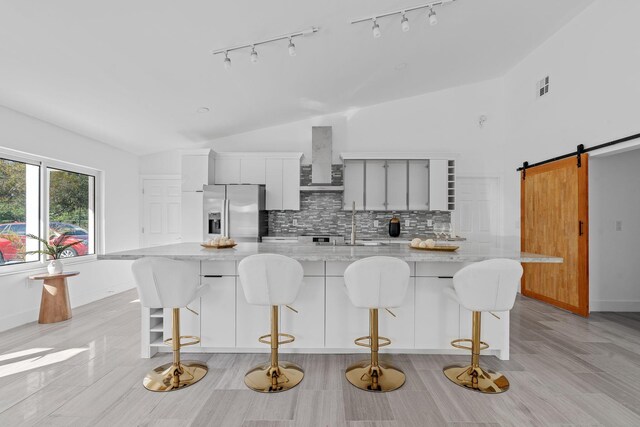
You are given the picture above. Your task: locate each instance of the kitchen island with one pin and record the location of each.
(327, 322)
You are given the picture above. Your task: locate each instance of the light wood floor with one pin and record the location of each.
(564, 370)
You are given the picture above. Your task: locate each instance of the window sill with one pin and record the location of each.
(37, 267)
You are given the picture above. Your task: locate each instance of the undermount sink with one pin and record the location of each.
(349, 244)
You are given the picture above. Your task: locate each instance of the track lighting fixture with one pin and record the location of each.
(376, 30)
(404, 21)
(433, 19)
(292, 48)
(253, 56)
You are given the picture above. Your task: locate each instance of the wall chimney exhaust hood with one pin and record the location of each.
(321, 146)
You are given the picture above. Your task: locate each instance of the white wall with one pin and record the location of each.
(594, 66)
(614, 195)
(97, 279)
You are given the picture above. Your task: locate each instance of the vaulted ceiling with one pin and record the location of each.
(134, 73)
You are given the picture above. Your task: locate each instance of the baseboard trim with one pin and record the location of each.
(615, 305)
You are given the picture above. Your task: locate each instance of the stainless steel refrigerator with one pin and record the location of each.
(236, 211)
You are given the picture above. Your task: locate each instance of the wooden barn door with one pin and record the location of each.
(554, 221)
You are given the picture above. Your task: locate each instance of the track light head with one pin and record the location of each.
(376, 30)
(254, 55)
(227, 61)
(404, 23)
(292, 48)
(433, 19)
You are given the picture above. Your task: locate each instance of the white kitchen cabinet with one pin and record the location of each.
(418, 185)
(437, 317)
(397, 185)
(308, 324)
(197, 170)
(438, 185)
(375, 185)
(189, 322)
(344, 322)
(273, 178)
(252, 170)
(252, 321)
(291, 184)
(282, 184)
(192, 216)
(218, 312)
(353, 184)
(227, 170)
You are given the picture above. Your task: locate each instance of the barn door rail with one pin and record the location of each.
(580, 149)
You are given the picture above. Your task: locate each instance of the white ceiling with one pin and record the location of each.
(133, 73)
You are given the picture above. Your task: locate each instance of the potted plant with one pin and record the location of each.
(53, 250)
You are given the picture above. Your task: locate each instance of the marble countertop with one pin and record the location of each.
(311, 252)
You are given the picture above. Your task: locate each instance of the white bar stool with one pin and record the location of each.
(273, 280)
(166, 283)
(484, 286)
(374, 283)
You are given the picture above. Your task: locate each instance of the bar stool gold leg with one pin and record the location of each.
(473, 376)
(178, 374)
(372, 375)
(276, 376)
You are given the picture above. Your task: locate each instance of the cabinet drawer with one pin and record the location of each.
(313, 268)
(218, 268)
(438, 269)
(336, 268)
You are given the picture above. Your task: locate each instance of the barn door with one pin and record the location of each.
(554, 221)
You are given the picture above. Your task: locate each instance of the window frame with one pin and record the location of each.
(45, 164)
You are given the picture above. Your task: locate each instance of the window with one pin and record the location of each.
(71, 210)
(41, 194)
(19, 210)
(543, 87)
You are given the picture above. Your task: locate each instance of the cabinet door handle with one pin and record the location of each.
(445, 277)
(580, 224)
(213, 275)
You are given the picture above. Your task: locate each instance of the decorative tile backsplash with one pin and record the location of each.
(321, 213)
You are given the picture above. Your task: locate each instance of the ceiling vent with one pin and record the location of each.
(543, 87)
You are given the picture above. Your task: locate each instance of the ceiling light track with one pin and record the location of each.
(254, 55)
(431, 16)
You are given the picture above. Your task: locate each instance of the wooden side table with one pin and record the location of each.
(54, 305)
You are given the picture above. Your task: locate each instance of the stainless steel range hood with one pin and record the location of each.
(321, 146)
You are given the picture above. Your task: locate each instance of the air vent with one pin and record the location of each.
(543, 87)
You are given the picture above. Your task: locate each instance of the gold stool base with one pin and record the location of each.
(161, 378)
(259, 378)
(477, 379)
(389, 378)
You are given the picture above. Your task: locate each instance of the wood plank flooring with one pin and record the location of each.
(564, 370)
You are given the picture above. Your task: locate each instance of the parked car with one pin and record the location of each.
(13, 239)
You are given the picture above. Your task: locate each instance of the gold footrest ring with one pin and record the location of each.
(194, 340)
(381, 378)
(266, 339)
(455, 343)
(169, 377)
(382, 341)
(477, 379)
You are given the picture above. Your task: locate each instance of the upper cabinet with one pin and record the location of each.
(414, 183)
(283, 184)
(354, 190)
(197, 169)
(240, 168)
